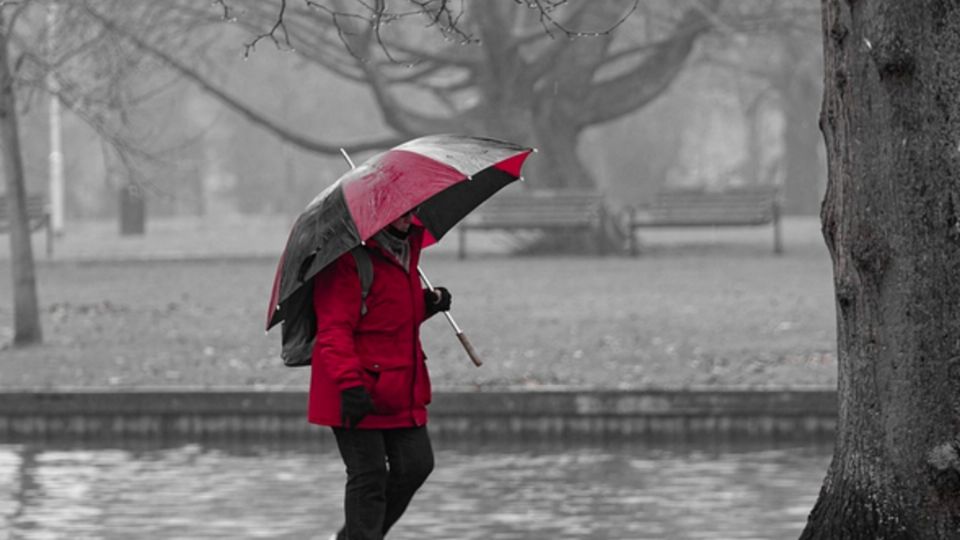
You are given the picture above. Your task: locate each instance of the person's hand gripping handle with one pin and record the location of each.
(456, 328)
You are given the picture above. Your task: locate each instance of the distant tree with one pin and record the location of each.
(779, 62)
(182, 18)
(798, 85)
(539, 73)
(93, 75)
(891, 220)
(26, 312)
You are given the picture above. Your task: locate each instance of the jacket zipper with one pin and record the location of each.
(413, 343)
(411, 279)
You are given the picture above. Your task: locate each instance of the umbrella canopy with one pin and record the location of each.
(443, 177)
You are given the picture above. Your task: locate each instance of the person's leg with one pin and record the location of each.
(410, 460)
(365, 501)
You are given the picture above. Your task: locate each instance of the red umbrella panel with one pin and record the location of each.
(442, 177)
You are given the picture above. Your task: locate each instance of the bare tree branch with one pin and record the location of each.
(226, 9)
(237, 105)
(612, 98)
(549, 23)
(278, 25)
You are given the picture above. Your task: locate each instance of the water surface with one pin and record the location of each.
(488, 491)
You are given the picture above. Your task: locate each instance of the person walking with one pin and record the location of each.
(369, 379)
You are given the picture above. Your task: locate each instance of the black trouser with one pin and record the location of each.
(385, 467)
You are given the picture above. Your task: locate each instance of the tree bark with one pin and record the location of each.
(561, 166)
(26, 312)
(891, 220)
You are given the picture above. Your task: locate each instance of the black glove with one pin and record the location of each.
(434, 304)
(355, 404)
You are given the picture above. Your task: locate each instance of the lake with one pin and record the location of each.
(496, 490)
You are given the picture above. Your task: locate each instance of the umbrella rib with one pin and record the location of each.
(346, 156)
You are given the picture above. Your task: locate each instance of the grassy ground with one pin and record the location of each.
(699, 308)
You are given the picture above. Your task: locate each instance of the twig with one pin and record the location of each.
(278, 24)
(225, 7)
(341, 33)
(550, 23)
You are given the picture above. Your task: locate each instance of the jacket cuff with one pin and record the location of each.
(349, 379)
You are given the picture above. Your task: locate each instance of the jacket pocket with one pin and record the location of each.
(393, 390)
(369, 378)
(382, 351)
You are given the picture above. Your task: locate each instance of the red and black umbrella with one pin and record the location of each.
(443, 177)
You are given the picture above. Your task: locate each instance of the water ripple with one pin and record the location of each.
(195, 492)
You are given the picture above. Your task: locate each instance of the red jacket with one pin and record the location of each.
(380, 350)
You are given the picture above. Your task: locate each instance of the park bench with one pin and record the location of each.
(732, 207)
(543, 209)
(38, 216)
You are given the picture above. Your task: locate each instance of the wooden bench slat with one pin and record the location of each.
(702, 223)
(742, 206)
(536, 209)
(712, 202)
(710, 210)
(716, 200)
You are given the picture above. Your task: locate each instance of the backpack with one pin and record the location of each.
(299, 330)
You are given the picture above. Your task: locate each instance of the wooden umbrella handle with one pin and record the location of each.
(456, 328)
(470, 350)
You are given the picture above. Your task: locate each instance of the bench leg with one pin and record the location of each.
(777, 232)
(632, 233)
(602, 233)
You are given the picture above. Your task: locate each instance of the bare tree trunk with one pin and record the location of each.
(561, 166)
(26, 313)
(891, 219)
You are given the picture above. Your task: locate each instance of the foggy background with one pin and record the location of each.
(741, 109)
(192, 133)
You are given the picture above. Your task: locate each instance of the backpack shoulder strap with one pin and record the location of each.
(365, 271)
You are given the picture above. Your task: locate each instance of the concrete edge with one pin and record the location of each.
(510, 413)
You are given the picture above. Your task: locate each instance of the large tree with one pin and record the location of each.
(540, 73)
(891, 220)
